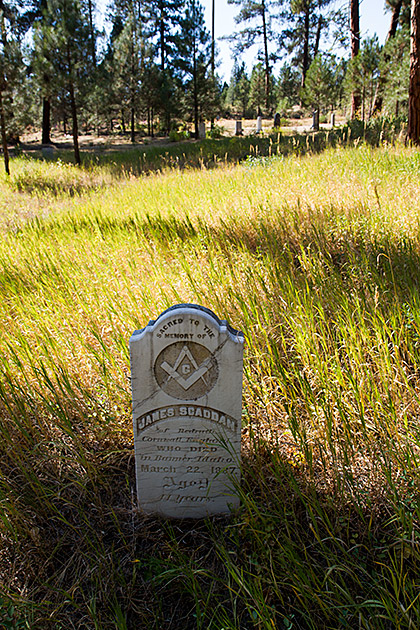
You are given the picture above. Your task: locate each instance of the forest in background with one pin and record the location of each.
(155, 70)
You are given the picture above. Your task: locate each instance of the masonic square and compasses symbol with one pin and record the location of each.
(186, 370)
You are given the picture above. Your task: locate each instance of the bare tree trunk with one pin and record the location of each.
(46, 117)
(413, 131)
(195, 88)
(92, 34)
(133, 125)
(75, 125)
(355, 47)
(73, 108)
(305, 57)
(212, 52)
(267, 64)
(3, 136)
(377, 101)
(2, 88)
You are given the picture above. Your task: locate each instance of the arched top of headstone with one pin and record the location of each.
(203, 309)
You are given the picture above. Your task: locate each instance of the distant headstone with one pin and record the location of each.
(277, 121)
(332, 119)
(47, 152)
(238, 127)
(186, 373)
(315, 120)
(201, 130)
(259, 124)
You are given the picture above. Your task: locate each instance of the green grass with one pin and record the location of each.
(316, 259)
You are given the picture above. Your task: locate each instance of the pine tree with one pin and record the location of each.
(194, 61)
(256, 15)
(64, 32)
(257, 92)
(307, 21)
(11, 66)
(362, 75)
(237, 96)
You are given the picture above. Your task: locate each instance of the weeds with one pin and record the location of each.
(316, 259)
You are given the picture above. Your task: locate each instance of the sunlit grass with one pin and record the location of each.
(316, 259)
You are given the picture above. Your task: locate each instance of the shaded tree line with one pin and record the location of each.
(157, 66)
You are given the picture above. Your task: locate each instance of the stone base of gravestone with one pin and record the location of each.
(238, 128)
(186, 371)
(201, 130)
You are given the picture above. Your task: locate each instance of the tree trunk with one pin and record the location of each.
(267, 65)
(195, 88)
(162, 37)
(46, 118)
(377, 101)
(318, 35)
(92, 34)
(413, 131)
(75, 125)
(2, 88)
(305, 57)
(3, 136)
(212, 54)
(355, 47)
(133, 125)
(73, 108)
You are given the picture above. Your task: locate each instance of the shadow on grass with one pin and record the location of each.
(292, 556)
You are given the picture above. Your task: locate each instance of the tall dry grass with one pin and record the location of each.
(316, 259)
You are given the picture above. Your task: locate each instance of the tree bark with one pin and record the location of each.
(267, 64)
(133, 125)
(75, 124)
(377, 101)
(305, 58)
(355, 47)
(212, 52)
(413, 131)
(73, 108)
(92, 33)
(46, 118)
(3, 136)
(195, 87)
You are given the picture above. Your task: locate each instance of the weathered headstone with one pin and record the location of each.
(201, 130)
(186, 371)
(332, 119)
(315, 120)
(238, 127)
(259, 124)
(277, 120)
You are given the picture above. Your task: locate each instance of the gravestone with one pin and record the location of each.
(201, 130)
(238, 127)
(186, 372)
(332, 119)
(315, 120)
(259, 124)
(47, 152)
(277, 120)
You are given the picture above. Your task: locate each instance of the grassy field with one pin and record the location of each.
(316, 258)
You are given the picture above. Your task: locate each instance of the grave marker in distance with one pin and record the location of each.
(186, 372)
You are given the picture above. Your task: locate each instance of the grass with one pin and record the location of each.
(316, 259)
